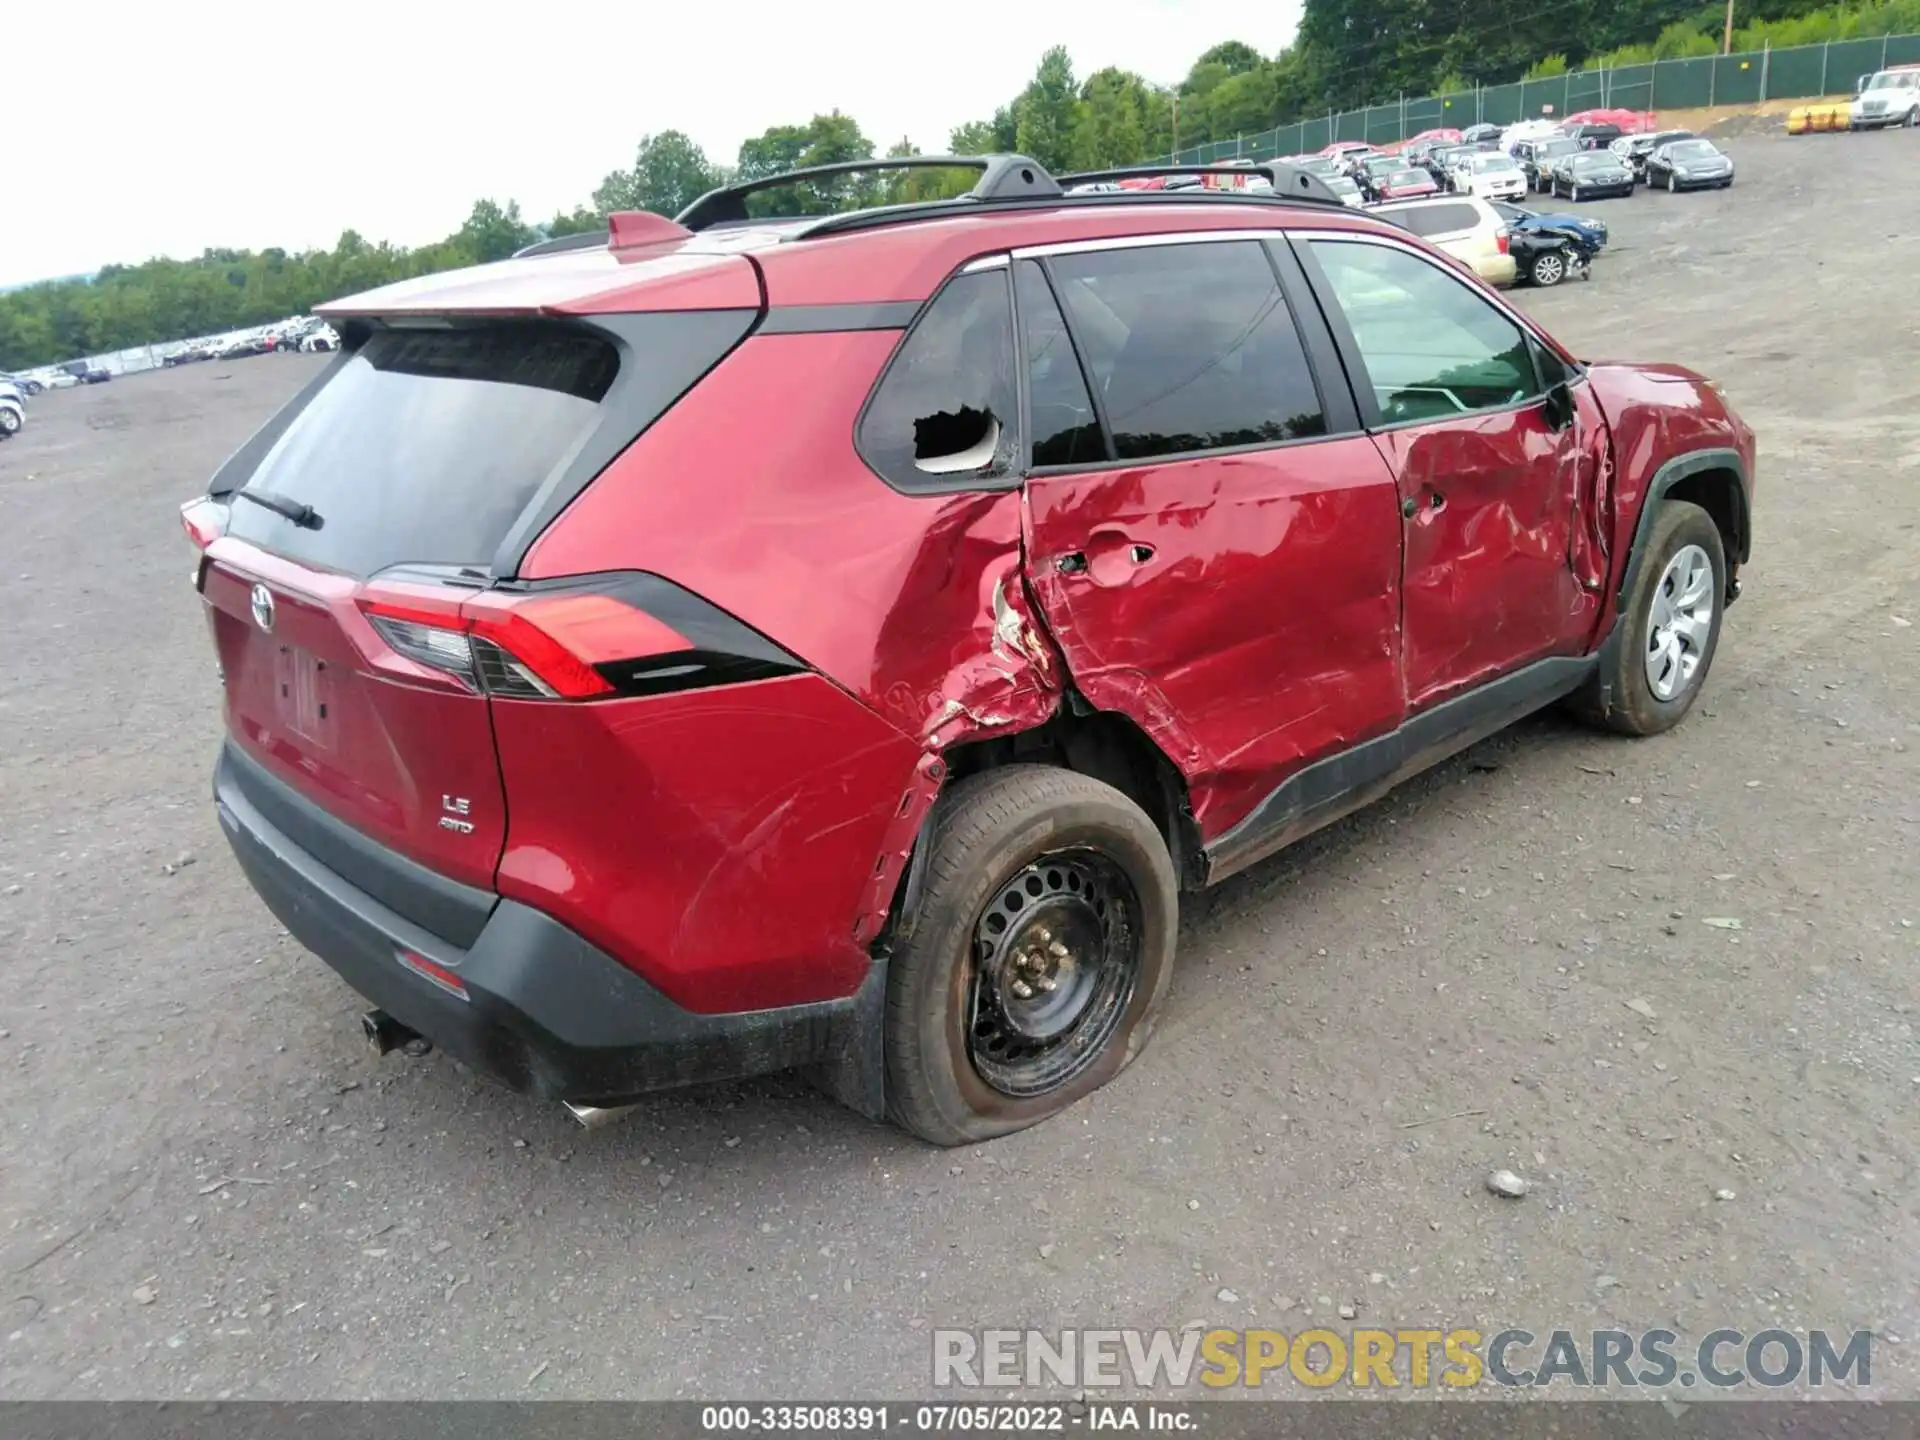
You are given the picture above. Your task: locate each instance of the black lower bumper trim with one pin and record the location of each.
(544, 1010)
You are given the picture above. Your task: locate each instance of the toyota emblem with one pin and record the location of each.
(263, 607)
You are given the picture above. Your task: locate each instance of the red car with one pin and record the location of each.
(837, 643)
(1406, 184)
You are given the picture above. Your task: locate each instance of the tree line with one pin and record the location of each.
(1347, 53)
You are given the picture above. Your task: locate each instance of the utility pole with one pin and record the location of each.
(1176, 121)
(1726, 40)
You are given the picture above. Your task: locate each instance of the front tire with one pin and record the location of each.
(1669, 628)
(1031, 968)
(1673, 183)
(1573, 194)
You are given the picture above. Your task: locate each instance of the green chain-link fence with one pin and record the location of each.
(1805, 70)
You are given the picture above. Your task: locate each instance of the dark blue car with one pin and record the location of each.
(1518, 217)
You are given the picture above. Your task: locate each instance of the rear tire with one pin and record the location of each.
(1680, 532)
(1026, 862)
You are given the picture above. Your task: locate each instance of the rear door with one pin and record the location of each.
(1214, 544)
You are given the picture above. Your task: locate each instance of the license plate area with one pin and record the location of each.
(303, 694)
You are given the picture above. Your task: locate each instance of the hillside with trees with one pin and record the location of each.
(1348, 53)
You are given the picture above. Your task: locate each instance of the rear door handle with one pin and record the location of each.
(1109, 557)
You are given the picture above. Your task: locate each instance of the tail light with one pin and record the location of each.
(1502, 237)
(204, 520)
(592, 640)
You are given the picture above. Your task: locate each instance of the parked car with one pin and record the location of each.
(1492, 176)
(322, 337)
(1518, 217)
(1464, 227)
(1344, 151)
(1439, 160)
(1346, 188)
(27, 385)
(1372, 169)
(1536, 158)
(1480, 135)
(544, 732)
(1538, 129)
(1405, 183)
(1590, 175)
(235, 347)
(1545, 257)
(87, 374)
(1593, 135)
(1887, 97)
(1689, 165)
(192, 353)
(1636, 148)
(13, 409)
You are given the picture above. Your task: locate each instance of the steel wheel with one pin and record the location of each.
(9, 422)
(1549, 269)
(1573, 194)
(1056, 959)
(1680, 622)
(1673, 183)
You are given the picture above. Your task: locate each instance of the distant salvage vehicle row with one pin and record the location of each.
(1141, 534)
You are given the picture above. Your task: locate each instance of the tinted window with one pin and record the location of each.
(1431, 346)
(945, 410)
(427, 445)
(1191, 347)
(1436, 219)
(1065, 429)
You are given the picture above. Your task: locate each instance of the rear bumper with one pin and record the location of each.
(543, 1010)
(1500, 270)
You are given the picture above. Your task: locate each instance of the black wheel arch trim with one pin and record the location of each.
(1677, 469)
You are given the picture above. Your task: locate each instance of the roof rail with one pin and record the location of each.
(1289, 181)
(1002, 177)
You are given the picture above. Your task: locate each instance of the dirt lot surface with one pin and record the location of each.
(208, 1185)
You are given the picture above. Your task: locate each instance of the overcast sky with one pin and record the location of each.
(142, 129)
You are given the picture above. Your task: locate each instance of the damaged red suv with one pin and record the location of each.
(741, 644)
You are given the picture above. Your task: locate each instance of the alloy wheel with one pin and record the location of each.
(1679, 622)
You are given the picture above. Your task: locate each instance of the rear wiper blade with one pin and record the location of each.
(302, 515)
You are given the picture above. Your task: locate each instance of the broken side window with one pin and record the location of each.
(944, 414)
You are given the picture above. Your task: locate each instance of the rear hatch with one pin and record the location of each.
(343, 570)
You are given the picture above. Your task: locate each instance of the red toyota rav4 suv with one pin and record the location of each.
(743, 644)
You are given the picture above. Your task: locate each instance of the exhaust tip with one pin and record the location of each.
(592, 1117)
(386, 1034)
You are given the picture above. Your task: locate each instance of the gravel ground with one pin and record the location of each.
(208, 1185)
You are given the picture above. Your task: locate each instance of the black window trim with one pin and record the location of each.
(1302, 241)
(942, 485)
(1338, 406)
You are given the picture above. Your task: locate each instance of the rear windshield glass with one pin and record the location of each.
(428, 444)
